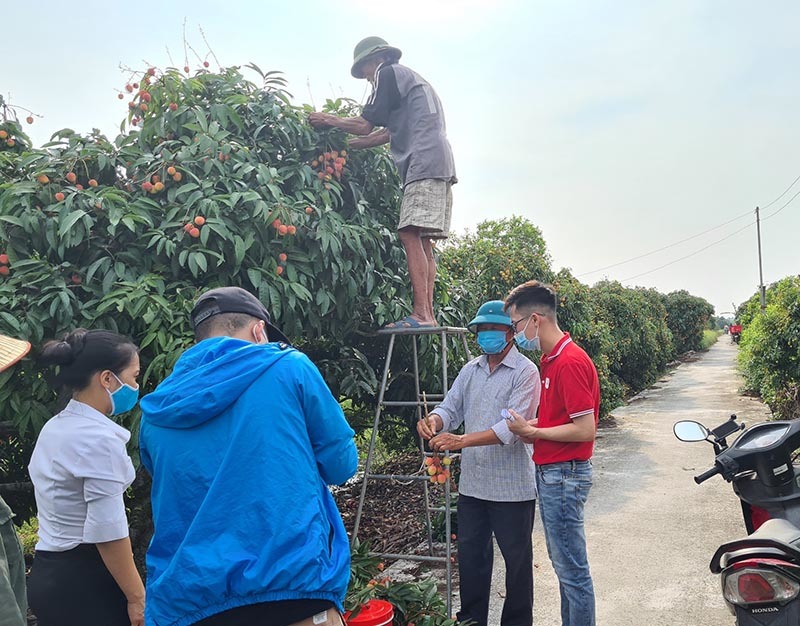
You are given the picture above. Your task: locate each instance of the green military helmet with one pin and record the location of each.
(366, 48)
(490, 313)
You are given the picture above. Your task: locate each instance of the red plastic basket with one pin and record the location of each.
(373, 613)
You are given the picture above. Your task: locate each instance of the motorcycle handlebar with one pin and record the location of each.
(706, 475)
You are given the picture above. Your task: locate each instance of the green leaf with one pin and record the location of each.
(11, 220)
(303, 293)
(200, 260)
(239, 250)
(69, 220)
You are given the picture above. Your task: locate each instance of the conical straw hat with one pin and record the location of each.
(11, 351)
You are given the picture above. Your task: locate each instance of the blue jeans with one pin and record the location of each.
(563, 489)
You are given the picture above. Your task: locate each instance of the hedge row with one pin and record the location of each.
(769, 354)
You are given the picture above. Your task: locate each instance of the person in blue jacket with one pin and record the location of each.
(242, 440)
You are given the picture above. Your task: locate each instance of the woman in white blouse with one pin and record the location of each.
(83, 572)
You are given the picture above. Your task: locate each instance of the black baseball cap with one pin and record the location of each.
(233, 300)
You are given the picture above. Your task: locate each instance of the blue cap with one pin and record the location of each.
(490, 313)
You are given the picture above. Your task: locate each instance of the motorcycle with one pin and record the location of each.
(760, 573)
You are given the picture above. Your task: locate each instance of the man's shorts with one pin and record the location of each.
(427, 204)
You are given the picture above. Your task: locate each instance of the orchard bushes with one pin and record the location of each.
(636, 319)
(626, 331)
(489, 262)
(770, 347)
(579, 315)
(687, 317)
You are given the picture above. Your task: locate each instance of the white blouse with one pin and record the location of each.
(80, 470)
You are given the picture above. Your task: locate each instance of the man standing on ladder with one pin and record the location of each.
(496, 491)
(410, 115)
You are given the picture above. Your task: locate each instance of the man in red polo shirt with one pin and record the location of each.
(563, 440)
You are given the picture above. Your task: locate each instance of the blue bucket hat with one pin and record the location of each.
(490, 313)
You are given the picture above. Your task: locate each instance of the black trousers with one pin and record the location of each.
(74, 588)
(282, 613)
(511, 523)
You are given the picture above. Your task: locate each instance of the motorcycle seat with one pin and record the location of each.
(779, 529)
(776, 538)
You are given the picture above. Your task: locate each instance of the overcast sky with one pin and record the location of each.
(618, 128)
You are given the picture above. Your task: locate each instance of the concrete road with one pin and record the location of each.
(651, 530)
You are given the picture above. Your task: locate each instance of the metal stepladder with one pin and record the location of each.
(419, 402)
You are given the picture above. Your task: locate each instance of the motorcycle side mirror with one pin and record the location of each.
(688, 430)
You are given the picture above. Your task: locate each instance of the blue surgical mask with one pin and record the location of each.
(124, 398)
(528, 344)
(492, 341)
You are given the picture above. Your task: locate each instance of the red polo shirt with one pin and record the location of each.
(570, 389)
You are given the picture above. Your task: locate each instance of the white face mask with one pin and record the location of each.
(263, 339)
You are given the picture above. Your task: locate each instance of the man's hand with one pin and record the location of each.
(428, 426)
(447, 441)
(522, 428)
(378, 138)
(359, 143)
(320, 120)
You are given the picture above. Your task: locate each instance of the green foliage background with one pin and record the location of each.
(687, 317)
(769, 349)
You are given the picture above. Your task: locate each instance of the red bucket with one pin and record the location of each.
(373, 613)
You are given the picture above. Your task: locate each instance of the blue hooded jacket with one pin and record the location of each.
(241, 441)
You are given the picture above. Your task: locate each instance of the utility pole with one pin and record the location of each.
(761, 288)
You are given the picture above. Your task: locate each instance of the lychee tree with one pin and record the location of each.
(214, 180)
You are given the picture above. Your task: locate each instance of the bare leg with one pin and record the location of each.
(427, 246)
(418, 270)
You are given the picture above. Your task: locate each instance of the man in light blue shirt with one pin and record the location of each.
(497, 487)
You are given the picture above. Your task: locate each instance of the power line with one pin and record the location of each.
(668, 246)
(766, 206)
(711, 245)
(683, 258)
(705, 232)
(774, 213)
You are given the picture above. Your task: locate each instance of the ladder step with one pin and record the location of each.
(424, 330)
(441, 509)
(410, 557)
(410, 402)
(398, 476)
